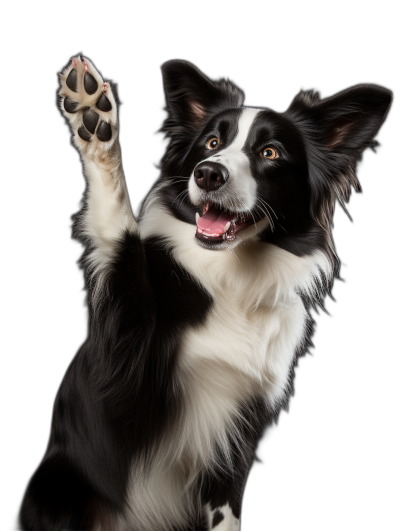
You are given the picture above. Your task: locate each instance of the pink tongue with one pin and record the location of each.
(213, 222)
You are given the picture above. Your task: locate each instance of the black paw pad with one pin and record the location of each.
(84, 134)
(69, 105)
(104, 104)
(90, 83)
(104, 132)
(72, 80)
(90, 119)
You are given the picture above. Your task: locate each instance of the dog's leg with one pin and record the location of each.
(222, 499)
(222, 518)
(90, 107)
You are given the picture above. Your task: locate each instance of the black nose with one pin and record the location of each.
(210, 175)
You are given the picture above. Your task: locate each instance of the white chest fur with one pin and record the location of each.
(235, 355)
(257, 319)
(258, 342)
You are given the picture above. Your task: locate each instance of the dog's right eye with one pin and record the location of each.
(212, 143)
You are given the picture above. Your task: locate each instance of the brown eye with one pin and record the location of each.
(269, 153)
(213, 143)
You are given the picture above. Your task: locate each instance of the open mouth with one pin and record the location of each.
(216, 224)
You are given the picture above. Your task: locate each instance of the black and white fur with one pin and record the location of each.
(192, 342)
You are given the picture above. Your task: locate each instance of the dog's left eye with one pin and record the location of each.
(213, 143)
(269, 153)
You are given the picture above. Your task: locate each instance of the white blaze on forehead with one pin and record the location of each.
(245, 122)
(241, 183)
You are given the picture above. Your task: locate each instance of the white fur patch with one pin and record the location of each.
(158, 499)
(107, 216)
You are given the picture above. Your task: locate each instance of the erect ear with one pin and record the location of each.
(347, 121)
(336, 131)
(191, 96)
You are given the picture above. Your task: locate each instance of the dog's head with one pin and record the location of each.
(241, 172)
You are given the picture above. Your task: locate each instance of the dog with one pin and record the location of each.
(199, 307)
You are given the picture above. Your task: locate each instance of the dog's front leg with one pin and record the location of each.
(222, 495)
(90, 107)
(222, 518)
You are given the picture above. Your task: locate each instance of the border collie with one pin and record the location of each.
(200, 307)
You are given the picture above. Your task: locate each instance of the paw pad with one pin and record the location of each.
(72, 80)
(84, 134)
(90, 119)
(104, 103)
(70, 105)
(91, 97)
(90, 83)
(104, 132)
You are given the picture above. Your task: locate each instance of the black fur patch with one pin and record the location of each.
(217, 518)
(283, 190)
(335, 131)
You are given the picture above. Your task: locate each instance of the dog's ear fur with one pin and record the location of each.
(191, 100)
(191, 96)
(336, 131)
(348, 121)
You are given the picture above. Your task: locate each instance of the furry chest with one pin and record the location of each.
(260, 345)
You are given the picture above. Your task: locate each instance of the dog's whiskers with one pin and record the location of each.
(265, 212)
(182, 195)
(182, 179)
(283, 228)
(248, 210)
(269, 206)
(177, 197)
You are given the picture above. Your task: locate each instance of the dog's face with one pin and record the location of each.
(246, 172)
(251, 166)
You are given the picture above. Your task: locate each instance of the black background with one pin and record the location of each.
(329, 458)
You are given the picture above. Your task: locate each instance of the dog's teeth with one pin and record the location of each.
(227, 226)
(197, 217)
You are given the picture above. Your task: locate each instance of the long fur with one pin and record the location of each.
(193, 340)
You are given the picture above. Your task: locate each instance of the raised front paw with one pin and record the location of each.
(89, 105)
